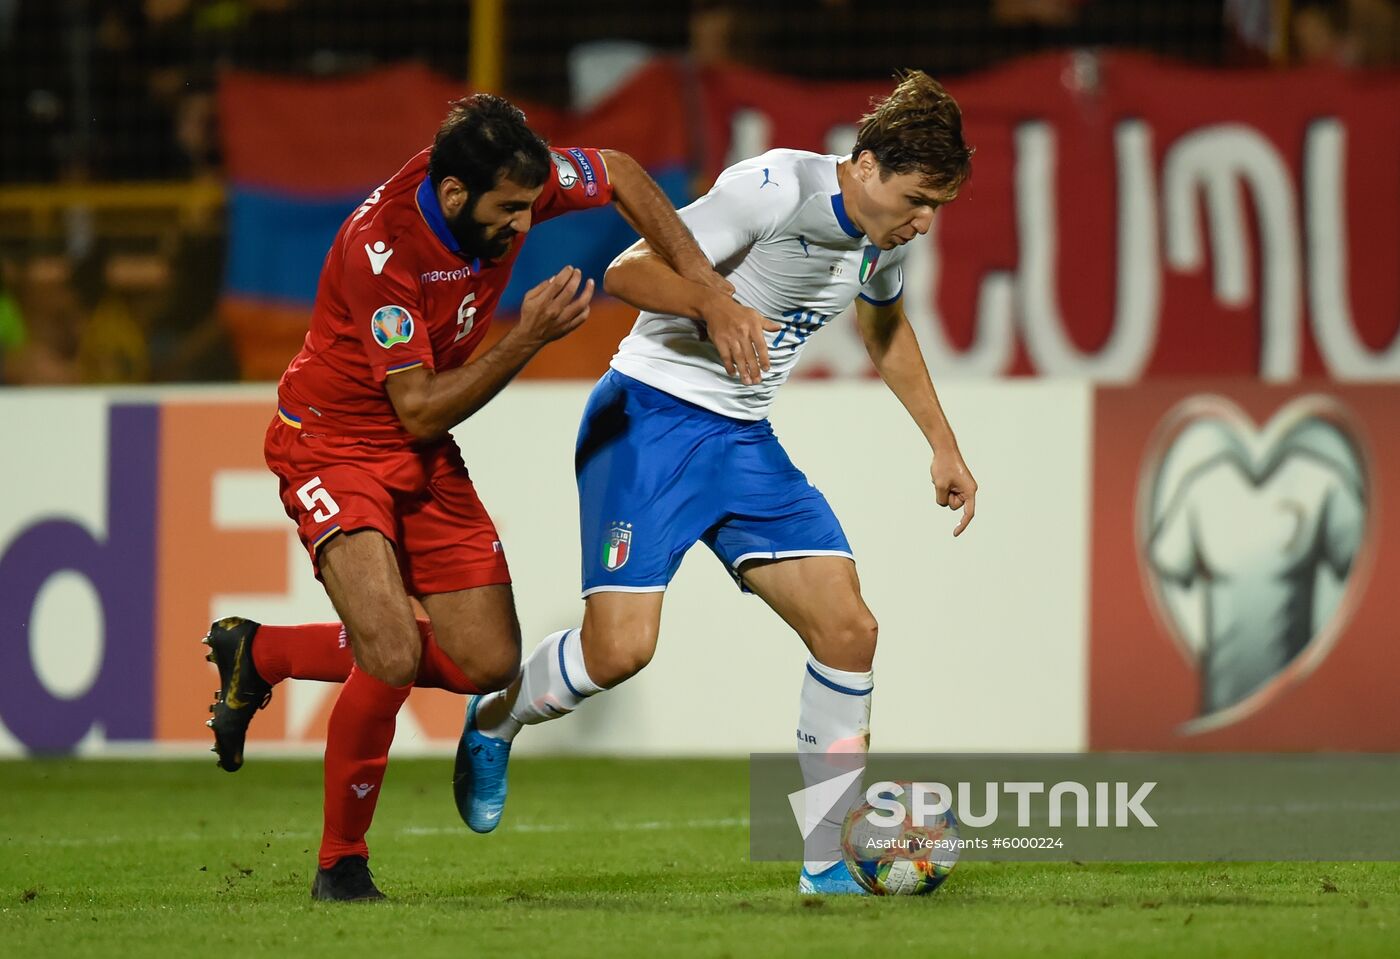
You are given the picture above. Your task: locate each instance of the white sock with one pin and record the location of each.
(833, 736)
(553, 682)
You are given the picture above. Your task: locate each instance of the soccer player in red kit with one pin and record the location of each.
(367, 468)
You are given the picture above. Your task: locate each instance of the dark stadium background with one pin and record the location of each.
(113, 225)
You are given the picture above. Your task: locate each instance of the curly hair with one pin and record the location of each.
(484, 140)
(917, 129)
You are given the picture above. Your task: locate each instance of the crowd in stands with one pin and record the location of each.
(124, 90)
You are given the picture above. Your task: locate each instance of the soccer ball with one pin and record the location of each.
(902, 859)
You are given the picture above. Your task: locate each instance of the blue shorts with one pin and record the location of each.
(657, 474)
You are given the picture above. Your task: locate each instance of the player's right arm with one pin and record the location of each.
(728, 220)
(643, 278)
(429, 403)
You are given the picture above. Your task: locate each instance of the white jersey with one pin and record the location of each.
(775, 227)
(1257, 544)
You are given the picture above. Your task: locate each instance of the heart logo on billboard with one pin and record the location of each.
(1249, 541)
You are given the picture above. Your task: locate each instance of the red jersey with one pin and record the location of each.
(396, 293)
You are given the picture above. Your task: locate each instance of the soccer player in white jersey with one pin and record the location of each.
(675, 446)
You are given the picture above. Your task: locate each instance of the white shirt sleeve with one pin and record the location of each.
(748, 203)
(885, 286)
(1172, 548)
(1345, 517)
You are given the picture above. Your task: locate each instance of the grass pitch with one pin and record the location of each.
(595, 857)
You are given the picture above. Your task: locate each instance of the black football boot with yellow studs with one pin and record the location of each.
(241, 693)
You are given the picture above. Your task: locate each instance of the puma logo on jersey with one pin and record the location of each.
(767, 179)
(379, 254)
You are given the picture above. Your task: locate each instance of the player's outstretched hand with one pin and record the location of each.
(556, 307)
(737, 332)
(954, 486)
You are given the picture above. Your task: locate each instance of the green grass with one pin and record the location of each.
(602, 857)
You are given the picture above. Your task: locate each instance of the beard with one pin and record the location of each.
(475, 240)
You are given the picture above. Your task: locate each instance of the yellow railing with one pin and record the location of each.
(36, 211)
(487, 42)
(1283, 28)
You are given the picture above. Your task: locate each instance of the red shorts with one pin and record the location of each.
(420, 498)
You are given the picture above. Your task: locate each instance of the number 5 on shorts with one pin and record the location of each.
(314, 495)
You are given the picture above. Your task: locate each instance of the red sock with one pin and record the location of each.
(319, 651)
(311, 651)
(436, 670)
(357, 751)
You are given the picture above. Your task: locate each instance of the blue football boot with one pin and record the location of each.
(479, 774)
(835, 880)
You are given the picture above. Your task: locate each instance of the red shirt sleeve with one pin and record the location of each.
(579, 181)
(385, 304)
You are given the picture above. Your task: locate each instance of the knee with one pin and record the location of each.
(621, 653)
(398, 667)
(847, 643)
(496, 670)
(489, 659)
(393, 658)
(629, 660)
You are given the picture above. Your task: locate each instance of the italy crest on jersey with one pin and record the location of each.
(618, 546)
(867, 263)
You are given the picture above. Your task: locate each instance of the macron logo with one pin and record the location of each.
(810, 805)
(363, 789)
(379, 254)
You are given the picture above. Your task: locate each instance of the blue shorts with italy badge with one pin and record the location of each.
(656, 475)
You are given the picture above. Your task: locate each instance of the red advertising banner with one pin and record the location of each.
(1131, 218)
(1127, 218)
(1242, 567)
(292, 135)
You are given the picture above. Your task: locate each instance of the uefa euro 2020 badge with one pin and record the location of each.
(391, 325)
(618, 546)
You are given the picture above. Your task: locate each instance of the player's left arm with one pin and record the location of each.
(647, 210)
(895, 352)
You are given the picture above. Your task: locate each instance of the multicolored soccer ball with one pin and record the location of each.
(901, 859)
